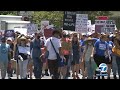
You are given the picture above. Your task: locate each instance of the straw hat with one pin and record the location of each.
(23, 38)
(89, 39)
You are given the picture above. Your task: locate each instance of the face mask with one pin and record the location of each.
(38, 37)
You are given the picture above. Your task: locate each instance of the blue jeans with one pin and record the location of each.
(37, 67)
(114, 65)
(90, 68)
(118, 64)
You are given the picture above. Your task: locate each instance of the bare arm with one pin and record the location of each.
(93, 50)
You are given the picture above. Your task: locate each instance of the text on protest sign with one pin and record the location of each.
(32, 28)
(81, 23)
(104, 26)
(9, 33)
(69, 20)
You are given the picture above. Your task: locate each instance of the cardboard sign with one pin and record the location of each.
(81, 23)
(89, 26)
(32, 28)
(21, 30)
(104, 26)
(44, 25)
(69, 20)
(9, 33)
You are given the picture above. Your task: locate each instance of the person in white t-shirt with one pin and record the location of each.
(24, 55)
(52, 58)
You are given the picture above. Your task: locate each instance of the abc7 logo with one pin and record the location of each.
(103, 67)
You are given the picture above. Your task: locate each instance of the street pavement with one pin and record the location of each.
(48, 77)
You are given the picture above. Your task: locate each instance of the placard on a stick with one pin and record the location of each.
(81, 23)
(104, 26)
(69, 20)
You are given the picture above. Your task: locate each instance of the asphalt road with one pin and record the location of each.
(48, 77)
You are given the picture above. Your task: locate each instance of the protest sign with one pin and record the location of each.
(89, 26)
(21, 30)
(32, 28)
(104, 26)
(44, 24)
(9, 33)
(69, 20)
(81, 23)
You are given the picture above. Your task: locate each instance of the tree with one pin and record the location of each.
(93, 14)
(55, 17)
(8, 12)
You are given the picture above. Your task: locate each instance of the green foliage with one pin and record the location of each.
(8, 12)
(117, 21)
(55, 17)
(93, 14)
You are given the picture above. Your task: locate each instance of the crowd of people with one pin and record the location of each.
(60, 54)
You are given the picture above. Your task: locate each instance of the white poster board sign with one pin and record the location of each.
(21, 30)
(89, 26)
(44, 24)
(81, 23)
(32, 28)
(105, 26)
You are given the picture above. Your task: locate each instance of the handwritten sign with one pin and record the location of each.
(69, 20)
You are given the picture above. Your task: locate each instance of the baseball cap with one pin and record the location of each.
(9, 39)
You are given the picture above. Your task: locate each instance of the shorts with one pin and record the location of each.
(67, 58)
(99, 59)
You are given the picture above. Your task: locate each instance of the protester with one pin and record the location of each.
(88, 58)
(10, 70)
(76, 56)
(101, 51)
(5, 57)
(30, 62)
(109, 62)
(24, 55)
(66, 50)
(35, 48)
(114, 64)
(116, 52)
(52, 57)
